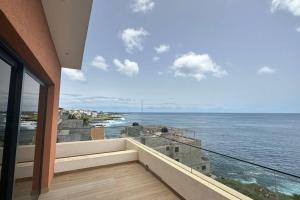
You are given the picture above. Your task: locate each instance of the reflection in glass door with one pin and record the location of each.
(5, 71)
(31, 135)
(22, 117)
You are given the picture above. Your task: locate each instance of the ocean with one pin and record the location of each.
(271, 140)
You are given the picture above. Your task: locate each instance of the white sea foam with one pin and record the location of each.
(254, 173)
(247, 181)
(110, 123)
(288, 187)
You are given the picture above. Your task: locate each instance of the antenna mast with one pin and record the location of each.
(142, 106)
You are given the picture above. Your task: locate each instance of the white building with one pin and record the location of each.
(172, 143)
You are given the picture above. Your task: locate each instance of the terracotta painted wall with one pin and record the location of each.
(24, 27)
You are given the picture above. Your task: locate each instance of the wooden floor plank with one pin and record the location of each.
(129, 181)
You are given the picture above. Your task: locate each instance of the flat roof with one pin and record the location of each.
(68, 22)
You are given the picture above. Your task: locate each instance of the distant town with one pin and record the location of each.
(87, 115)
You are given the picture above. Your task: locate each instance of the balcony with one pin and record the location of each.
(142, 164)
(121, 168)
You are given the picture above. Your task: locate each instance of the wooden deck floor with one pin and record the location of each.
(127, 181)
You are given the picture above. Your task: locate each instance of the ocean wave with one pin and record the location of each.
(247, 181)
(110, 123)
(288, 187)
(253, 173)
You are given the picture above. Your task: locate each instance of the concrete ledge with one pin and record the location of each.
(25, 153)
(95, 160)
(70, 149)
(77, 155)
(24, 170)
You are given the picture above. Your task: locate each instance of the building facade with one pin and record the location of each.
(173, 143)
(33, 49)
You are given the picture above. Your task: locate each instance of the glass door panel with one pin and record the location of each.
(30, 139)
(5, 71)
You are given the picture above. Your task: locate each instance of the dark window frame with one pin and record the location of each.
(12, 123)
(13, 118)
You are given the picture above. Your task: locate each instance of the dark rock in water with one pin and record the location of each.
(135, 124)
(164, 130)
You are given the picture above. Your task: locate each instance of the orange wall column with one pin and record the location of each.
(50, 136)
(25, 29)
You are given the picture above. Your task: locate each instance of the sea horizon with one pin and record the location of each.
(150, 112)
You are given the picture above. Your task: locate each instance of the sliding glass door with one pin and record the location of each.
(22, 116)
(30, 138)
(5, 71)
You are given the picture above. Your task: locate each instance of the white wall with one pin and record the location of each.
(69, 149)
(77, 155)
(95, 160)
(25, 153)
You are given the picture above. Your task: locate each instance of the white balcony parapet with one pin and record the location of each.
(79, 148)
(95, 160)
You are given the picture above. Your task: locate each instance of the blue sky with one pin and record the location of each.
(189, 56)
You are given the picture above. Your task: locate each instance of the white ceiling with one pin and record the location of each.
(68, 21)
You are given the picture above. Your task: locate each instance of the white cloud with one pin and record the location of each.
(73, 74)
(292, 6)
(160, 73)
(162, 48)
(142, 6)
(100, 63)
(155, 58)
(128, 68)
(197, 66)
(266, 70)
(133, 38)
(298, 29)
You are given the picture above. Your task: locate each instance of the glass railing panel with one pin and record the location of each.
(249, 179)
(200, 161)
(287, 185)
(114, 132)
(178, 152)
(254, 181)
(257, 182)
(73, 134)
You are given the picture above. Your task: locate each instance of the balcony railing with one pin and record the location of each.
(253, 180)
